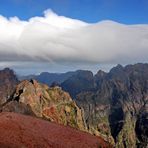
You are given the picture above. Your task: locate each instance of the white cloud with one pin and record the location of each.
(57, 39)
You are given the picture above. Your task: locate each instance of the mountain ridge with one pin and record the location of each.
(111, 105)
(121, 98)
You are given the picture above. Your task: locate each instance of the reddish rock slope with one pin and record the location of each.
(20, 131)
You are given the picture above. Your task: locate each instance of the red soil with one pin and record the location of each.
(20, 131)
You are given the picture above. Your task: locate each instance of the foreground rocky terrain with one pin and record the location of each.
(53, 104)
(19, 131)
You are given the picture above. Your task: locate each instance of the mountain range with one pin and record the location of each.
(112, 106)
(48, 78)
(115, 103)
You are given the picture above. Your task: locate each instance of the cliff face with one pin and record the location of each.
(52, 104)
(81, 80)
(8, 81)
(117, 106)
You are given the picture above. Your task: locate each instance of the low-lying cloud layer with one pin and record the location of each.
(57, 39)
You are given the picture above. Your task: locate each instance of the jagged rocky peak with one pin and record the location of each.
(8, 74)
(84, 73)
(7, 70)
(117, 72)
(116, 107)
(100, 73)
(50, 103)
(99, 77)
(82, 80)
(119, 67)
(8, 81)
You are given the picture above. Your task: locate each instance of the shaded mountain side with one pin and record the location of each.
(17, 131)
(117, 104)
(18, 107)
(8, 81)
(48, 78)
(82, 80)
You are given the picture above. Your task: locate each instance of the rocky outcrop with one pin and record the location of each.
(117, 106)
(8, 81)
(53, 104)
(17, 131)
(18, 107)
(142, 130)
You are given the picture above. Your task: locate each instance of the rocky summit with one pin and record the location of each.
(51, 104)
(8, 81)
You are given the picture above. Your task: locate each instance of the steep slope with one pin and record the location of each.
(52, 104)
(23, 131)
(81, 81)
(8, 81)
(117, 106)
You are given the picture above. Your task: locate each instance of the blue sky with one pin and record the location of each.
(123, 11)
(58, 44)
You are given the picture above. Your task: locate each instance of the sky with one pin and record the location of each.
(91, 11)
(65, 35)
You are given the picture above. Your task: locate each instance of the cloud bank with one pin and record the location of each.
(57, 39)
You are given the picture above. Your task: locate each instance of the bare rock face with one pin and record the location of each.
(20, 131)
(117, 107)
(18, 107)
(8, 81)
(52, 103)
(142, 130)
(81, 80)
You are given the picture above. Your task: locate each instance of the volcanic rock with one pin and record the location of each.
(8, 81)
(20, 131)
(117, 106)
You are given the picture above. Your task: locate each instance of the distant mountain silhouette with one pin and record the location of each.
(48, 78)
